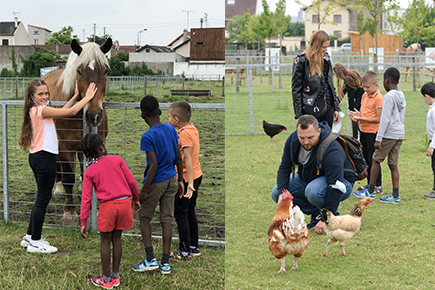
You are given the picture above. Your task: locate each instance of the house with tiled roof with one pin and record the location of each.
(181, 44)
(13, 33)
(38, 35)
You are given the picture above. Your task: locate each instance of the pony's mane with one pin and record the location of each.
(90, 52)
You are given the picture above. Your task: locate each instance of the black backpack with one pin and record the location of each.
(353, 149)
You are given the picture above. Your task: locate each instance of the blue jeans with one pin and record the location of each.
(310, 197)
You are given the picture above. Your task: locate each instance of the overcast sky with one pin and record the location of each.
(123, 19)
(292, 7)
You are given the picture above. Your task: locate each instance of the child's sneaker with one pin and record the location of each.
(115, 281)
(195, 252)
(41, 247)
(99, 281)
(362, 187)
(378, 190)
(165, 268)
(178, 255)
(146, 266)
(430, 195)
(364, 193)
(390, 199)
(25, 242)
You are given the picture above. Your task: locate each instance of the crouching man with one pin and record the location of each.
(314, 187)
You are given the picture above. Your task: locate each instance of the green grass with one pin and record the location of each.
(392, 250)
(79, 259)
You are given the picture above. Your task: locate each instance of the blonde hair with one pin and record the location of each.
(181, 110)
(26, 124)
(314, 51)
(369, 77)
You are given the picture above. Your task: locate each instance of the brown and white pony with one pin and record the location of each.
(86, 64)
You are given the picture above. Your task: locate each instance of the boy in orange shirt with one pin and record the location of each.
(369, 118)
(179, 114)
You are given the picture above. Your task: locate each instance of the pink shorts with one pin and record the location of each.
(115, 215)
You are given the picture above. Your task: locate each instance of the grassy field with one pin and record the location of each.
(79, 259)
(393, 249)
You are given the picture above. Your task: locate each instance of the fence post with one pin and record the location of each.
(145, 86)
(251, 101)
(107, 84)
(16, 87)
(5, 163)
(223, 86)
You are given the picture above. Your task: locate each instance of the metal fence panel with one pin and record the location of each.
(124, 132)
(256, 91)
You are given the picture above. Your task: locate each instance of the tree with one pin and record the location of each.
(140, 70)
(39, 59)
(418, 23)
(240, 29)
(117, 65)
(100, 40)
(295, 29)
(323, 11)
(62, 37)
(365, 25)
(376, 8)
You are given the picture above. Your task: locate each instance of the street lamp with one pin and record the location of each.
(138, 35)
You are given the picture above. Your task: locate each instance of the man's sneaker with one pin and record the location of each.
(146, 266)
(430, 195)
(178, 255)
(115, 281)
(41, 247)
(315, 218)
(390, 199)
(165, 268)
(195, 252)
(99, 281)
(364, 193)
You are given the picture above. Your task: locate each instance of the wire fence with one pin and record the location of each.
(259, 88)
(13, 88)
(125, 128)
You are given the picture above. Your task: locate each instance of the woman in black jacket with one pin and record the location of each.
(353, 87)
(313, 89)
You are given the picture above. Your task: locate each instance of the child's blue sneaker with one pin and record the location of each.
(146, 266)
(364, 193)
(390, 199)
(165, 268)
(378, 190)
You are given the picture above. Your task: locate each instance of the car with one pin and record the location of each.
(346, 47)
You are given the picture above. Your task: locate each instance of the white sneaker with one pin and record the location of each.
(41, 247)
(25, 241)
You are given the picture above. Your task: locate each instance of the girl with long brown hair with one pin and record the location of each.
(38, 133)
(313, 89)
(353, 87)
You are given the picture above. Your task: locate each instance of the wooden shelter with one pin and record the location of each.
(389, 42)
(207, 44)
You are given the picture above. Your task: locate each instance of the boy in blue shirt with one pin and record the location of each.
(160, 185)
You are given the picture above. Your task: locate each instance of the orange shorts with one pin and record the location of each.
(115, 215)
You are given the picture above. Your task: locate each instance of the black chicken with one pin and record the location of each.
(273, 129)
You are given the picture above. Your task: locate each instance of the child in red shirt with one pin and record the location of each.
(114, 184)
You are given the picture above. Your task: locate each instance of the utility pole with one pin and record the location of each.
(188, 11)
(95, 30)
(201, 20)
(206, 20)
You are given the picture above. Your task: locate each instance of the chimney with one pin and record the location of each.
(184, 35)
(16, 22)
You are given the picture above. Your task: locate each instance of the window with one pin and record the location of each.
(200, 43)
(315, 18)
(231, 2)
(337, 33)
(36, 32)
(337, 18)
(36, 41)
(5, 42)
(147, 50)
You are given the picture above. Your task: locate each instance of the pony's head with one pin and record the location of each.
(87, 64)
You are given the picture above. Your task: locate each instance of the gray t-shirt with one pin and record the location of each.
(304, 155)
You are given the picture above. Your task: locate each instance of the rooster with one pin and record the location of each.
(288, 233)
(342, 228)
(273, 129)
